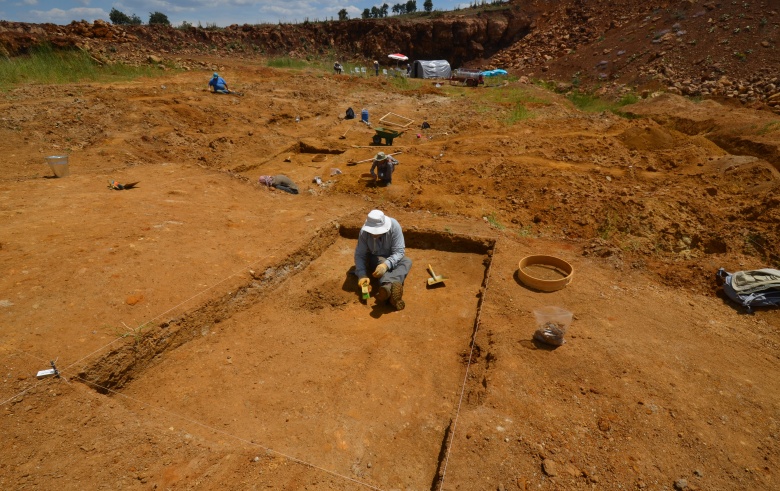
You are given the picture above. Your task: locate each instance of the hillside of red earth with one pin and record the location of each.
(708, 49)
(208, 331)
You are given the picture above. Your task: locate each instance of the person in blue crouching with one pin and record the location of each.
(218, 85)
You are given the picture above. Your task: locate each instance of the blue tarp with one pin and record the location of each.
(493, 73)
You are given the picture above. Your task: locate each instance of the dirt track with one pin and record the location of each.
(210, 337)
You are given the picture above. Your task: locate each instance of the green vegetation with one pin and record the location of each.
(545, 84)
(44, 65)
(120, 18)
(128, 332)
(515, 98)
(511, 95)
(287, 62)
(519, 113)
(492, 220)
(769, 128)
(403, 83)
(158, 18)
(589, 102)
(608, 227)
(525, 231)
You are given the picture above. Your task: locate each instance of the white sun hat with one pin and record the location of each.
(376, 223)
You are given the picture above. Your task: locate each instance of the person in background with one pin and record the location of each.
(376, 67)
(381, 247)
(337, 68)
(384, 165)
(218, 85)
(408, 70)
(281, 182)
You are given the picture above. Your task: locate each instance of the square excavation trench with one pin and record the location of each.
(313, 372)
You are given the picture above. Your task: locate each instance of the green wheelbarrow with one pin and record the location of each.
(388, 135)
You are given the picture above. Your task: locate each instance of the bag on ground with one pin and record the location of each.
(753, 288)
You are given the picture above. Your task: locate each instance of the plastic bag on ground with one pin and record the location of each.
(552, 323)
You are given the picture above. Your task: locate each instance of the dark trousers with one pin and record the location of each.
(398, 273)
(286, 189)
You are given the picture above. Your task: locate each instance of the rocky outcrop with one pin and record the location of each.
(709, 49)
(456, 38)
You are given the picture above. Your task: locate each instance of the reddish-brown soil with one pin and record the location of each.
(209, 335)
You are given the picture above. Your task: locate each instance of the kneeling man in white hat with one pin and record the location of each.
(381, 248)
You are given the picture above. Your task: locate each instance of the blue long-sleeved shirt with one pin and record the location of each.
(218, 83)
(390, 245)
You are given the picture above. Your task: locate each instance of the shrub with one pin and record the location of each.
(158, 18)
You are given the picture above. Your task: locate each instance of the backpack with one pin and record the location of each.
(754, 288)
(350, 114)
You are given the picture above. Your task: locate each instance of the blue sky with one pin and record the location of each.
(219, 12)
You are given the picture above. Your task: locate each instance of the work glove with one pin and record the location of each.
(363, 282)
(380, 270)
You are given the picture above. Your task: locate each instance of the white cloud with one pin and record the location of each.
(59, 15)
(287, 10)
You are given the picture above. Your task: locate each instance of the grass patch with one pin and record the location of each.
(44, 65)
(402, 83)
(493, 220)
(609, 226)
(126, 332)
(525, 231)
(287, 62)
(545, 84)
(510, 95)
(519, 113)
(769, 128)
(588, 102)
(512, 101)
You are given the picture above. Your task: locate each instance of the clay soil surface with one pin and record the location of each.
(209, 334)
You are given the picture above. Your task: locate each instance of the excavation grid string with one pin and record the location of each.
(198, 423)
(468, 366)
(98, 350)
(267, 449)
(235, 437)
(232, 275)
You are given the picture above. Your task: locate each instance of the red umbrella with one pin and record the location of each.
(398, 57)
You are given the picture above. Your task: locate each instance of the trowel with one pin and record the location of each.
(435, 279)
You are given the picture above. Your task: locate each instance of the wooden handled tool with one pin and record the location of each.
(435, 279)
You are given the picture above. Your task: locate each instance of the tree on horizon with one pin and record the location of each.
(117, 17)
(158, 18)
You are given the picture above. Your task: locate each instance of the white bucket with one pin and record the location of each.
(59, 165)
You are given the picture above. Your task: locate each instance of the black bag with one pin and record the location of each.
(350, 114)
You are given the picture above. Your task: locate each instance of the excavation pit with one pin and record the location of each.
(307, 369)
